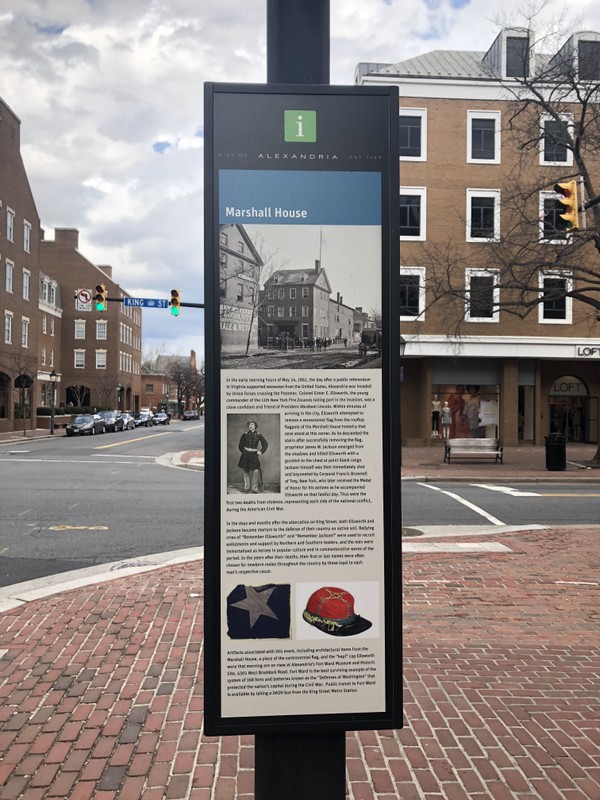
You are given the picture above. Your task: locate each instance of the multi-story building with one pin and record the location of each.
(101, 351)
(240, 268)
(19, 279)
(463, 151)
(174, 385)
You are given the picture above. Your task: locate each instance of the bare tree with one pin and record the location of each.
(150, 358)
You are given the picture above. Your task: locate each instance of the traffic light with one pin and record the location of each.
(569, 200)
(100, 297)
(174, 303)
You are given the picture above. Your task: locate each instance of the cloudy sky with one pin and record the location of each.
(110, 94)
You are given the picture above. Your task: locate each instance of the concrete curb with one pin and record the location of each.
(20, 593)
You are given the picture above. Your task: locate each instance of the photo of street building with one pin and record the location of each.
(300, 297)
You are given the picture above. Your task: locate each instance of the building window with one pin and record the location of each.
(24, 332)
(26, 284)
(305, 311)
(553, 140)
(44, 324)
(100, 359)
(483, 136)
(483, 215)
(292, 311)
(27, 237)
(292, 294)
(280, 311)
(305, 291)
(589, 60)
(79, 359)
(270, 311)
(483, 296)
(10, 268)
(8, 318)
(10, 224)
(412, 213)
(79, 329)
(556, 306)
(280, 294)
(413, 134)
(223, 239)
(101, 329)
(240, 292)
(270, 294)
(51, 327)
(43, 356)
(305, 330)
(517, 57)
(553, 229)
(412, 293)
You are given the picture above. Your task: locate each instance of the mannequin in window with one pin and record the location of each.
(436, 408)
(446, 415)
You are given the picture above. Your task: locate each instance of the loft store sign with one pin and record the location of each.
(569, 385)
(587, 351)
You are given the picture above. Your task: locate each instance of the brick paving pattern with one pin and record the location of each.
(101, 692)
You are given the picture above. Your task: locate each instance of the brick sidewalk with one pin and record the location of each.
(101, 692)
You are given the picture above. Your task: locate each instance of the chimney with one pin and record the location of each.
(106, 269)
(68, 237)
(318, 266)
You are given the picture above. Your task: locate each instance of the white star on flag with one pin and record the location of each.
(256, 604)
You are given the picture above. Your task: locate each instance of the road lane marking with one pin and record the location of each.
(568, 494)
(129, 441)
(78, 528)
(476, 509)
(505, 490)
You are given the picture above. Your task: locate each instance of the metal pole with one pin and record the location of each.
(297, 766)
(52, 388)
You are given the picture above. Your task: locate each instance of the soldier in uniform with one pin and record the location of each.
(252, 444)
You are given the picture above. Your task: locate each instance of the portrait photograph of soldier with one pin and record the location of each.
(253, 454)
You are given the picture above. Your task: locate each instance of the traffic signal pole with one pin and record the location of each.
(308, 764)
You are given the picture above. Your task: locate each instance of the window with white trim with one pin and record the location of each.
(79, 359)
(27, 236)
(101, 329)
(51, 327)
(412, 293)
(413, 213)
(79, 329)
(51, 358)
(412, 131)
(517, 56)
(588, 57)
(280, 311)
(10, 224)
(26, 284)
(305, 311)
(280, 294)
(100, 359)
(292, 293)
(483, 137)
(554, 136)
(8, 321)
(292, 311)
(43, 356)
(8, 283)
(270, 311)
(24, 331)
(482, 295)
(44, 324)
(556, 307)
(305, 291)
(483, 215)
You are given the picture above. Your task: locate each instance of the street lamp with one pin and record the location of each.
(53, 377)
(118, 387)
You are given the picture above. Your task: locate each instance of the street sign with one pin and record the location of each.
(145, 302)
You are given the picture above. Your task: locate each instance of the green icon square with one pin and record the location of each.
(300, 126)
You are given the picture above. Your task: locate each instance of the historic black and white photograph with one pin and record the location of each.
(300, 296)
(253, 454)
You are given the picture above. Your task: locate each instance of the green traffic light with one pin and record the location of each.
(175, 311)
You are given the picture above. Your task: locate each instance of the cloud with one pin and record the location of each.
(110, 95)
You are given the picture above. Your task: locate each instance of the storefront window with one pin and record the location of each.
(464, 411)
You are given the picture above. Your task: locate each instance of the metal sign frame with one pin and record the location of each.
(265, 154)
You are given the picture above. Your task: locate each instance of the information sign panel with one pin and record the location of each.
(302, 511)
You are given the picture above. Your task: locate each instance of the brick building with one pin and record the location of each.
(101, 351)
(240, 267)
(502, 375)
(19, 279)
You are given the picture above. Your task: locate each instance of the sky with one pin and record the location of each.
(110, 97)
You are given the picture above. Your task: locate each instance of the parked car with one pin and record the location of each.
(86, 423)
(113, 420)
(190, 414)
(128, 421)
(144, 418)
(162, 418)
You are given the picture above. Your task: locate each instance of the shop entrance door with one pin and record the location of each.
(569, 409)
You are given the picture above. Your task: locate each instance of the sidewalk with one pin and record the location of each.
(101, 691)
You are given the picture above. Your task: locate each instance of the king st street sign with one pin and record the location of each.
(145, 302)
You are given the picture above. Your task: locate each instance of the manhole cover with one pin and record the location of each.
(411, 532)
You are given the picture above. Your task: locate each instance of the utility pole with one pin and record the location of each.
(309, 764)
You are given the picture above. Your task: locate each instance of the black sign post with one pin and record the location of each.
(302, 548)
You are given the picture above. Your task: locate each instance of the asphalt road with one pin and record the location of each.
(75, 502)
